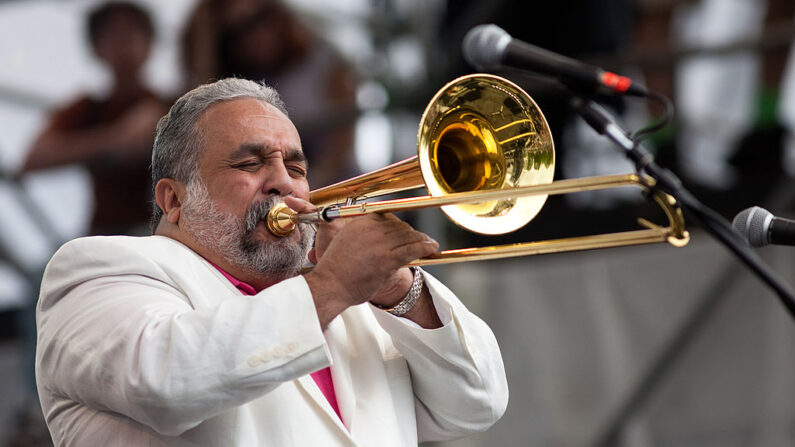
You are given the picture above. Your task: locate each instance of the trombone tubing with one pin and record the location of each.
(413, 203)
(675, 234)
(652, 235)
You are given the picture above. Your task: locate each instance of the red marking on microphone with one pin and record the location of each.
(616, 82)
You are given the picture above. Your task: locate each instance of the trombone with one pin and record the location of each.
(486, 156)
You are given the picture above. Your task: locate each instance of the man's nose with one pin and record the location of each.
(278, 181)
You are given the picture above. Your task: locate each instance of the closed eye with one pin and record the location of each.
(250, 165)
(298, 171)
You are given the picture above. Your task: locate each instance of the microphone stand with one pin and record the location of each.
(601, 121)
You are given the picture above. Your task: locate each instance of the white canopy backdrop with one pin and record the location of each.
(46, 62)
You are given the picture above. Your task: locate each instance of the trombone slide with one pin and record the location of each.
(675, 233)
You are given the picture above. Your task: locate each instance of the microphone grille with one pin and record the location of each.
(484, 46)
(753, 224)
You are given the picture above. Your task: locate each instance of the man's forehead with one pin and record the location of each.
(260, 121)
(240, 118)
(247, 126)
(245, 110)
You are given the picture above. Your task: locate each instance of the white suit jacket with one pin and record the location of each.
(142, 342)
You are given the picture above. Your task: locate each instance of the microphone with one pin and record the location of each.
(489, 47)
(760, 227)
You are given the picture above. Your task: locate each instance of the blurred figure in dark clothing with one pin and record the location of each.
(111, 136)
(262, 40)
(579, 29)
(574, 28)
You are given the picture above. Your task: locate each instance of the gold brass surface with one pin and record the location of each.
(486, 157)
(479, 133)
(483, 133)
(400, 176)
(674, 234)
(281, 220)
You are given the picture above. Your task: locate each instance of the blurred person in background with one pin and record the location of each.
(262, 40)
(716, 93)
(111, 136)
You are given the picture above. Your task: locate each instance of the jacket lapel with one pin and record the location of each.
(340, 374)
(342, 350)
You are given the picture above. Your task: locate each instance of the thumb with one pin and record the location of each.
(299, 205)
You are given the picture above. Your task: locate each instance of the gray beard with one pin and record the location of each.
(233, 237)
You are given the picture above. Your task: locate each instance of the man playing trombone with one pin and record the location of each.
(206, 333)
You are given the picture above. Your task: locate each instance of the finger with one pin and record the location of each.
(333, 227)
(384, 223)
(390, 216)
(383, 218)
(413, 237)
(393, 223)
(299, 205)
(409, 252)
(397, 227)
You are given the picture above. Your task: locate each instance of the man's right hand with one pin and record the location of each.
(355, 258)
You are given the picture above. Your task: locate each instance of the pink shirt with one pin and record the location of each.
(322, 377)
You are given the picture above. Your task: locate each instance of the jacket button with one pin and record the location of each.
(253, 360)
(265, 356)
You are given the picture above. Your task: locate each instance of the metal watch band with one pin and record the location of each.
(411, 298)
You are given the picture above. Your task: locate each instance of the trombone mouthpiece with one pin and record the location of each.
(281, 220)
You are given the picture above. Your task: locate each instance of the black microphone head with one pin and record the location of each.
(753, 224)
(484, 46)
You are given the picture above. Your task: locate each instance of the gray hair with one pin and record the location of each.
(179, 142)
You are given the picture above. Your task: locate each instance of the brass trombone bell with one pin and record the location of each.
(479, 133)
(486, 156)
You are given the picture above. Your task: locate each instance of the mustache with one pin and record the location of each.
(257, 212)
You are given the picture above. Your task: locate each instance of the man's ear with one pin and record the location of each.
(169, 195)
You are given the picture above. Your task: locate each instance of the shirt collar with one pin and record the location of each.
(244, 287)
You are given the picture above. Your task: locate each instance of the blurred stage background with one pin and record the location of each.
(638, 346)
